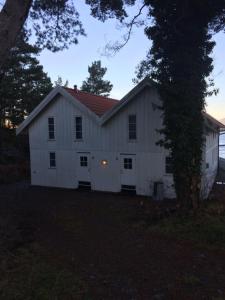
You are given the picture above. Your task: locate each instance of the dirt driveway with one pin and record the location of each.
(96, 237)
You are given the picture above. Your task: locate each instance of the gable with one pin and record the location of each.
(128, 97)
(101, 109)
(81, 104)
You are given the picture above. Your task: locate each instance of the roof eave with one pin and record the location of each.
(38, 109)
(57, 90)
(127, 98)
(216, 124)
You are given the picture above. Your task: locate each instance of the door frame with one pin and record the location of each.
(133, 181)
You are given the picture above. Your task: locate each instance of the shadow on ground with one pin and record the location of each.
(65, 244)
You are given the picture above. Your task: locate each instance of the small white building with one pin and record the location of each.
(79, 139)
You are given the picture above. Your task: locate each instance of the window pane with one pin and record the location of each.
(132, 127)
(52, 161)
(78, 135)
(132, 135)
(132, 119)
(78, 127)
(51, 128)
(51, 135)
(78, 120)
(127, 163)
(169, 165)
(83, 161)
(51, 121)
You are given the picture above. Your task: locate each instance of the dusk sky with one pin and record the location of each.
(72, 64)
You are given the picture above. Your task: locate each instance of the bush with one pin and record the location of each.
(13, 172)
(205, 227)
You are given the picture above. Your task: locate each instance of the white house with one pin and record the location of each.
(79, 139)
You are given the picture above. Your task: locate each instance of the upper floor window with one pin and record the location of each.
(78, 128)
(52, 160)
(51, 128)
(132, 127)
(169, 165)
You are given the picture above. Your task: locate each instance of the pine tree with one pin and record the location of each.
(59, 81)
(94, 83)
(23, 83)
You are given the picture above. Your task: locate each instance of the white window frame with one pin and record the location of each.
(75, 128)
(129, 138)
(49, 131)
(84, 161)
(49, 157)
(128, 163)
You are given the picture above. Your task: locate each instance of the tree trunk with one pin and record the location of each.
(12, 17)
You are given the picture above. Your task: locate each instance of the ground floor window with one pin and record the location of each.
(83, 161)
(169, 165)
(127, 162)
(52, 160)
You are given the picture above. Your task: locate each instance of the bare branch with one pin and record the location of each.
(114, 47)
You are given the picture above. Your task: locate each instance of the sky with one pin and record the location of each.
(72, 64)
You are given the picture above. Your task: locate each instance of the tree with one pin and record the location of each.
(180, 62)
(59, 81)
(56, 24)
(23, 83)
(94, 83)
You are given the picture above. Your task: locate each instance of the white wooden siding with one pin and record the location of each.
(103, 142)
(210, 162)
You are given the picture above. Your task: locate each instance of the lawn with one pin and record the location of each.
(64, 244)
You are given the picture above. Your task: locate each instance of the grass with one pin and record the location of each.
(191, 280)
(26, 274)
(207, 227)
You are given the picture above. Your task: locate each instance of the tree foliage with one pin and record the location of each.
(180, 62)
(95, 83)
(102, 9)
(59, 81)
(55, 23)
(23, 83)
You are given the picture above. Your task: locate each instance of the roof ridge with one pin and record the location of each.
(105, 97)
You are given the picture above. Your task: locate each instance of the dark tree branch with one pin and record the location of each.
(117, 46)
(131, 24)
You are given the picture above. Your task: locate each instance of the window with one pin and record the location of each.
(52, 160)
(78, 128)
(127, 163)
(83, 161)
(169, 165)
(51, 128)
(132, 127)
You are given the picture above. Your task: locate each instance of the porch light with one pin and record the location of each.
(104, 162)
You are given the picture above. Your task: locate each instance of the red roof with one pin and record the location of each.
(97, 104)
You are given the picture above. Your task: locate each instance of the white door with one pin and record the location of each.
(128, 169)
(83, 167)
